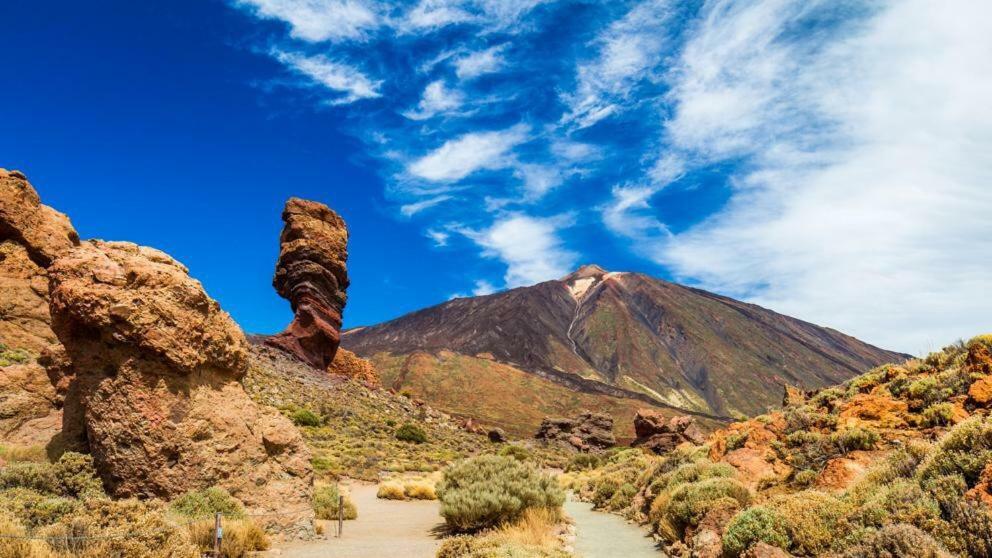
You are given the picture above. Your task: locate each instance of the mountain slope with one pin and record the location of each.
(631, 335)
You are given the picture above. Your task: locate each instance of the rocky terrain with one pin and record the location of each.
(621, 335)
(894, 462)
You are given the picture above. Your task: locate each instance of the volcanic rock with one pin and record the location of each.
(497, 435)
(31, 236)
(661, 434)
(311, 274)
(350, 365)
(152, 367)
(28, 414)
(588, 432)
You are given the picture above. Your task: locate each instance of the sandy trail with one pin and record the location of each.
(384, 529)
(604, 535)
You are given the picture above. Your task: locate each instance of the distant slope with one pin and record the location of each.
(631, 335)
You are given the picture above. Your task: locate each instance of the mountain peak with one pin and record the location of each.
(587, 270)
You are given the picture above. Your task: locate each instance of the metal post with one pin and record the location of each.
(218, 534)
(340, 513)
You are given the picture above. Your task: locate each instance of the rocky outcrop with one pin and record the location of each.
(152, 368)
(32, 235)
(661, 434)
(352, 366)
(311, 274)
(587, 432)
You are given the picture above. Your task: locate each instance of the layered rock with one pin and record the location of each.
(587, 432)
(32, 235)
(661, 434)
(311, 273)
(152, 368)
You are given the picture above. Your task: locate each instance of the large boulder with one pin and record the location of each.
(587, 432)
(32, 235)
(151, 367)
(352, 366)
(661, 434)
(312, 274)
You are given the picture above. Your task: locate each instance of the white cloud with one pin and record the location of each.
(341, 78)
(538, 179)
(483, 287)
(530, 247)
(436, 99)
(411, 209)
(440, 238)
(492, 15)
(460, 157)
(318, 20)
(866, 202)
(627, 51)
(475, 64)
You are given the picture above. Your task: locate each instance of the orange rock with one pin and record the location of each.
(979, 359)
(842, 472)
(28, 414)
(980, 392)
(153, 367)
(754, 465)
(348, 364)
(877, 409)
(983, 490)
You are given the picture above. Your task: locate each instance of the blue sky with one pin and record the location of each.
(827, 159)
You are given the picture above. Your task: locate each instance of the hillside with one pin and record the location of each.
(623, 335)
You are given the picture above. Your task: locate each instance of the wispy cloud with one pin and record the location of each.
(436, 99)
(460, 157)
(350, 82)
(319, 20)
(411, 209)
(531, 247)
(475, 64)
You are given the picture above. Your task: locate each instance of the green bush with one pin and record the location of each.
(583, 462)
(938, 415)
(688, 503)
(519, 453)
(305, 417)
(491, 490)
(965, 450)
(898, 540)
(71, 476)
(812, 520)
(855, 438)
(752, 525)
(325, 503)
(10, 356)
(411, 433)
(207, 502)
(804, 477)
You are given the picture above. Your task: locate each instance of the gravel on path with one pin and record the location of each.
(604, 535)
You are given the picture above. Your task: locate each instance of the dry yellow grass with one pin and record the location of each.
(391, 490)
(15, 454)
(241, 537)
(420, 490)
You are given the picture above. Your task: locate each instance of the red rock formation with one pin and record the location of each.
(661, 434)
(152, 369)
(587, 432)
(350, 365)
(311, 274)
(31, 236)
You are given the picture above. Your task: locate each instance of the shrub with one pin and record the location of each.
(898, 541)
(492, 490)
(940, 414)
(10, 356)
(752, 525)
(420, 490)
(855, 438)
(411, 433)
(737, 440)
(305, 417)
(519, 453)
(804, 478)
(207, 502)
(583, 462)
(325, 503)
(965, 450)
(16, 454)
(71, 476)
(688, 503)
(812, 520)
(391, 490)
(242, 537)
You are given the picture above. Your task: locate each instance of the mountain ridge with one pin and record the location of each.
(632, 335)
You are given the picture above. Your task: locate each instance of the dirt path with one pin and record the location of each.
(384, 529)
(604, 535)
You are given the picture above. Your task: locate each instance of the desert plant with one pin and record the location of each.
(391, 490)
(491, 490)
(305, 417)
(326, 499)
(965, 450)
(898, 541)
(519, 453)
(419, 490)
(411, 433)
(583, 462)
(207, 502)
(242, 537)
(17, 454)
(940, 414)
(855, 438)
(752, 525)
(687, 504)
(812, 520)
